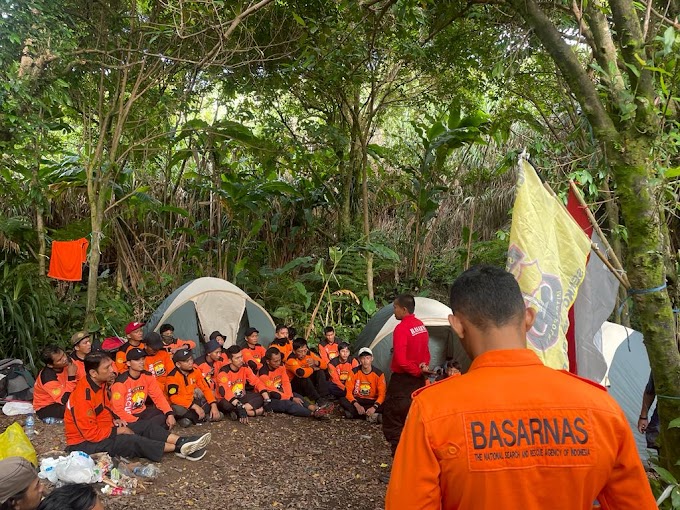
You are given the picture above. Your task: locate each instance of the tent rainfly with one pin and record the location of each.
(204, 305)
(444, 343)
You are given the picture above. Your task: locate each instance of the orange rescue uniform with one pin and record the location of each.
(369, 386)
(252, 356)
(160, 365)
(339, 371)
(328, 351)
(231, 384)
(276, 382)
(179, 344)
(303, 368)
(121, 356)
(128, 396)
(514, 434)
(80, 364)
(209, 370)
(180, 388)
(283, 345)
(88, 416)
(52, 387)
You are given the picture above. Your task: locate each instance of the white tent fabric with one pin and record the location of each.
(219, 305)
(430, 311)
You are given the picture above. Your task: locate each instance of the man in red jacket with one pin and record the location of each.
(410, 360)
(92, 426)
(512, 433)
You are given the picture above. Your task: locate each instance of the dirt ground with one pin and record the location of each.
(275, 462)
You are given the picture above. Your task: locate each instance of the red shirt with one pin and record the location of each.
(410, 346)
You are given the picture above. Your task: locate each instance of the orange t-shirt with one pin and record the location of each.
(514, 434)
(66, 261)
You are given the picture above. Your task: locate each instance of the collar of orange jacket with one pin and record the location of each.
(506, 358)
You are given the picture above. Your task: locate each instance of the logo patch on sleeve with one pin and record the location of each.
(172, 389)
(529, 438)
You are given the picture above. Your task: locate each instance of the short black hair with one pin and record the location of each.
(93, 360)
(233, 349)
(299, 342)
(328, 329)
(343, 345)
(279, 327)
(167, 327)
(272, 351)
(75, 496)
(407, 301)
(487, 296)
(48, 351)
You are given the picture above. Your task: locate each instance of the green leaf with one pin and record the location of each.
(299, 20)
(335, 254)
(670, 174)
(668, 40)
(633, 69)
(665, 475)
(368, 305)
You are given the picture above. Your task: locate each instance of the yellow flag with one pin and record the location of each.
(547, 254)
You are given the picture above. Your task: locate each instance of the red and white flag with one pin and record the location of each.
(594, 303)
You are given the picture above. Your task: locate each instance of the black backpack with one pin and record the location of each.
(16, 382)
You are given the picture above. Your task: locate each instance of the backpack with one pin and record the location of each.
(16, 382)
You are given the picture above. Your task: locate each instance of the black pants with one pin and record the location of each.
(51, 411)
(251, 397)
(396, 406)
(184, 412)
(364, 402)
(292, 408)
(153, 415)
(147, 441)
(315, 386)
(336, 391)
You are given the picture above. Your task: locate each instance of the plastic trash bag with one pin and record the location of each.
(15, 443)
(16, 407)
(78, 467)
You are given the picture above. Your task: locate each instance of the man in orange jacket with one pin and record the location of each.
(339, 369)
(307, 372)
(82, 346)
(365, 390)
(92, 426)
(54, 383)
(134, 334)
(512, 433)
(158, 361)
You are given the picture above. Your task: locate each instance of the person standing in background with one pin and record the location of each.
(410, 366)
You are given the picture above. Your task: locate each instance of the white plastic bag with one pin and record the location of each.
(78, 467)
(16, 407)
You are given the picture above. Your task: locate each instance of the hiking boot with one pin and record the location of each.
(185, 422)
(193, 444)
(373, 418)
(219, 418)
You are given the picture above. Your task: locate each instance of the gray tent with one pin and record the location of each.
(444, 343)
(204, 305)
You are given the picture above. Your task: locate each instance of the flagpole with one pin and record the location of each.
(595, 225)
(593, 246)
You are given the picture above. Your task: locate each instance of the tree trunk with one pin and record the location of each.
(646, 271)
(367, 223)
(42, 244)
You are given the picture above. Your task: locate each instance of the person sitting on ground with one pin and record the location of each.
(275, 379)
(451, 369)
(74, 496)
(158, 360)
(366, 389)
(82, 346)
(253, 352)
(328, 347)
(20, 487)
(282, 342)
(307, 372)
(339, 369)
(92, 427)
(172, 344)
(220, 337)
(189, 395)
(54, 383)
(210, 363)
(132, 389)
(235, 400)
(134, 334)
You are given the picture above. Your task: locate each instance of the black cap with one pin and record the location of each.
(181, 355)
(154, 341)
(250, 331)
(212, 345)
(135, 353)
(215, 334)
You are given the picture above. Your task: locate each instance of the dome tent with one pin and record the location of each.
(444, 344)
(208, 304)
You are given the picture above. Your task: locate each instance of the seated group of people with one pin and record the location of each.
(126, 402)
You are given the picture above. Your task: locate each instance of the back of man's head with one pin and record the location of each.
(488, 297)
